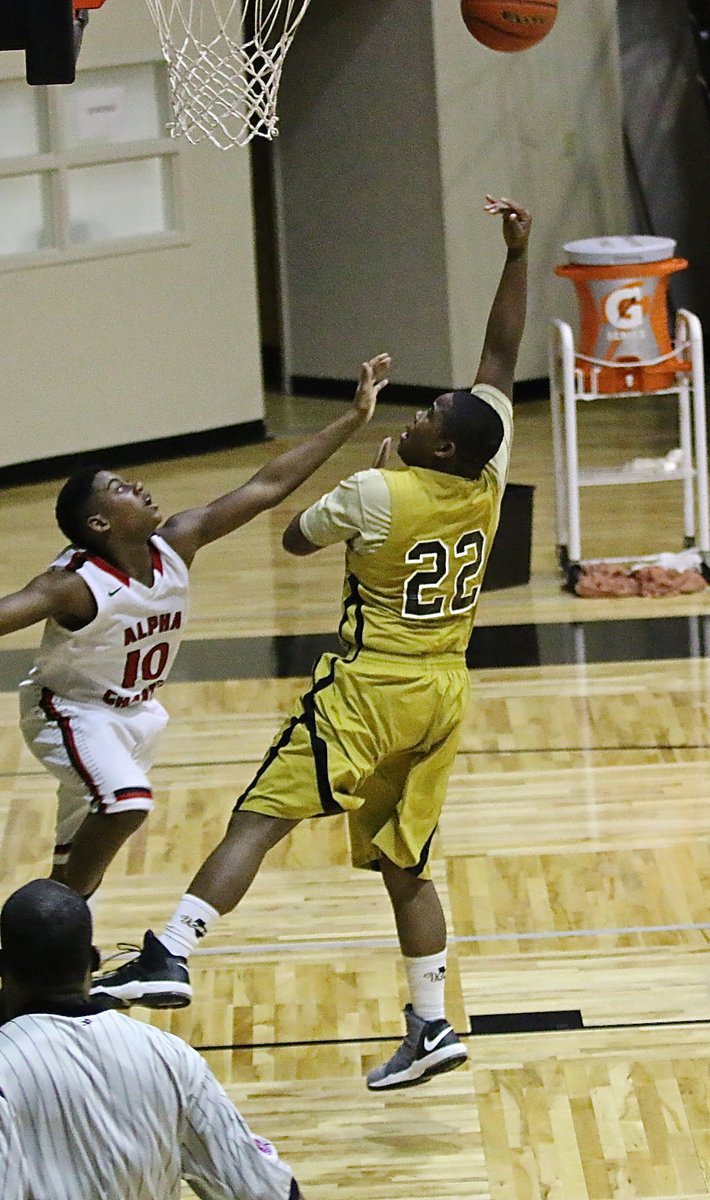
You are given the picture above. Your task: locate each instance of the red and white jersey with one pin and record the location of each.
(123, 655)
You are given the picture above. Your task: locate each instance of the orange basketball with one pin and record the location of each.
(509, 25)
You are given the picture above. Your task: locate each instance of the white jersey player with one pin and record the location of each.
(95, 1105)
(126, 652)
(115, 612)
(88, 709)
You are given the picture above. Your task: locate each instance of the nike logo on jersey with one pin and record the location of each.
(431, 1045)
(115, 590)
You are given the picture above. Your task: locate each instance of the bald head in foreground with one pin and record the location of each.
(95, 1105)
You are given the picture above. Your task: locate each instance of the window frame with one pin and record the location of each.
(54, 165)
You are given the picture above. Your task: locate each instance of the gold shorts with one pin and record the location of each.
(376, 737)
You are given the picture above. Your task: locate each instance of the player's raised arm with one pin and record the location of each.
(59, 594)
(189, 530)
(507, 316)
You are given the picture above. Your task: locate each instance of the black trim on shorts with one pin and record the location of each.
(424, 856)
(295, 1191)
(319, 747)
(307, 717)
(269, 758)
(355, 599)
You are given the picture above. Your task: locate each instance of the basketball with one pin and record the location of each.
(509, 25)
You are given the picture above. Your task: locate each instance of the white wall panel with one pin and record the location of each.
(134, 346)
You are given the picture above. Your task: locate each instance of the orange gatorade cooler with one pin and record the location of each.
(622, 289)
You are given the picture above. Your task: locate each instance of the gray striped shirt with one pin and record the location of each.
(103, 1107)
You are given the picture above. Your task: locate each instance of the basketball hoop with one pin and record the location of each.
(225, 59)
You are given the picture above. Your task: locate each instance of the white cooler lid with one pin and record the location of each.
(616, 251)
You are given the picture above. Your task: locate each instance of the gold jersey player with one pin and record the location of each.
(376, 734)
(115, 613)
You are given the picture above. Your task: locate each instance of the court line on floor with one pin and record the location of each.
(494, 752)
(463, 1034)
(267, 948)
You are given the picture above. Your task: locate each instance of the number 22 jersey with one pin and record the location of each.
(125, 653)
(418, 542)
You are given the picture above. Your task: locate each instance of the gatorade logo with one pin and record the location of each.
(624, 307)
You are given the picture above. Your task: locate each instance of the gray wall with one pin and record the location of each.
(544, 126)
(394, 122)
(668, 138)
(358, 160)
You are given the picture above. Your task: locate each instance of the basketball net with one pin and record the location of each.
(225, 59)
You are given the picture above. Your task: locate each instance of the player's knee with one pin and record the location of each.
(400, 883)
(257, 831)
(129, 819)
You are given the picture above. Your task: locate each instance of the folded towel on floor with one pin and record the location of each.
(598, 580)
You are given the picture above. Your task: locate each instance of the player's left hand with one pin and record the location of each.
(373, 377)
(516, 221)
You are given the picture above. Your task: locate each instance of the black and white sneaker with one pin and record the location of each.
(430, 1048)
(154, 979)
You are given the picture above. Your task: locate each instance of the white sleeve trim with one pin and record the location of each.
(358, 511)
(504, 407)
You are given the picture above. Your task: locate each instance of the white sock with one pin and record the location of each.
(189, 923)
(426, 977)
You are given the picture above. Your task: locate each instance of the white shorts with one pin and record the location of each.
(99, 755)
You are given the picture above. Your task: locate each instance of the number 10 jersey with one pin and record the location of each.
(125, 653)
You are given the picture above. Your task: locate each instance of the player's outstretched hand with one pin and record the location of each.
(383, 453)
(373, 377)
(516, 221)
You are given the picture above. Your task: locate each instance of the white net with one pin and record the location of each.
(225, 59)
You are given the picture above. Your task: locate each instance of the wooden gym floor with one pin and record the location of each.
(573, 856)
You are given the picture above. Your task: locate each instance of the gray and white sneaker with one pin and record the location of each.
(430, 1048)
(153, 978)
